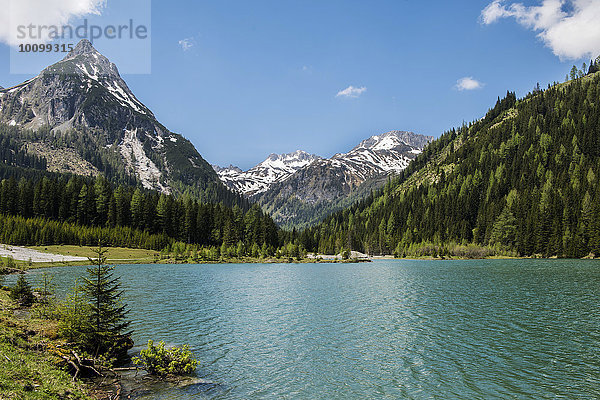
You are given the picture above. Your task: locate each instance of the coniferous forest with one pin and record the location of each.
(524, 179)
(82, 211)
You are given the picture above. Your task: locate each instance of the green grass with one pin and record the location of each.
(26, 370)
(121, 255)
(114, 253)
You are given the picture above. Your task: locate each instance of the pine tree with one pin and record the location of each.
(573, 73)
(22, 292)
(107, 321)
(137, 209)
(504, 229)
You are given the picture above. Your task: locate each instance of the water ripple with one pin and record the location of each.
(527, 329)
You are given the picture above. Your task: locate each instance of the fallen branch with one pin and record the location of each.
(69, 361)
(92, 361)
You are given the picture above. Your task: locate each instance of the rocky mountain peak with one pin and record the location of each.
(393, 140)
(84, 95)
(230, 169)
(327, 185)
(83, 47)
(289, 159)
(86, 62)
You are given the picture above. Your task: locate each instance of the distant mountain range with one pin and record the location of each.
(298, 189)
(276, 168)
(87, 121)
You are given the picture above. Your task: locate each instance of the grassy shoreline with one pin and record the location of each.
(119, 255)
(27, 369)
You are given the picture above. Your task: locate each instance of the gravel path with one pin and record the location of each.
(25, 254)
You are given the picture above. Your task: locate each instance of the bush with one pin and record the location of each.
(8, 265)
(345, 254)
(74, 317)
(160, 361)
(22, 292)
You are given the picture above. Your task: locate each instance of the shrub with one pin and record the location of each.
(22, 292)
(345, 254)
(160, 361)
(74, 317)
(8, 265)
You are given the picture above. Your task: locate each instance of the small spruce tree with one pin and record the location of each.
(107, 322)
(22, 292)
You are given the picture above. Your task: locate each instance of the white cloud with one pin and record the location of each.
(187, 43)
(351, 92)
(468, 83)
(307, 69)
(47, 12)
(571, 28)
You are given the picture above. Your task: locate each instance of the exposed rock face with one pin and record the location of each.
(81, 103)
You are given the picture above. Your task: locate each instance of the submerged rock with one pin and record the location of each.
(137, 383)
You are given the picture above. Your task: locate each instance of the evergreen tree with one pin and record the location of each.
(573, 73)
(22, 292)
(107, 321)
(504, 229)
(137, 209)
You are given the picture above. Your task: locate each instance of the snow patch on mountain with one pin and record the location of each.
(276, 168)
(124, 98)
(135, 157)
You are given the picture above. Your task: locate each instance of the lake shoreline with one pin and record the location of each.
(235, 317)
(36, 266)
(153, 257)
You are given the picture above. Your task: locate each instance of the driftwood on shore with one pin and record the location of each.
(79, 364)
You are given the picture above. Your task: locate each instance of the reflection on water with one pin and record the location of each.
(527, 329)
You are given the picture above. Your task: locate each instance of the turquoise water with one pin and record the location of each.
(525, 329)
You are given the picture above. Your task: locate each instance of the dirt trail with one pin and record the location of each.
(25, 254)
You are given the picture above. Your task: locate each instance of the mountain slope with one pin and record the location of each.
(276, 168)
(327, 185)
(523, 178)
(81, 116)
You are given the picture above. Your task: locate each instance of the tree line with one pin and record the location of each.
(77, 210)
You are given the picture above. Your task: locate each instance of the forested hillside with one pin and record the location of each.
(57, 209)
(524, 178)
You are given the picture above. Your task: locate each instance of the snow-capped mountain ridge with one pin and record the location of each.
(327, 185)
(276, 168)
(389, 152)
(393, 139)
(382, 154)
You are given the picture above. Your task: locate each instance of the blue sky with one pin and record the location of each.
(245, 79)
